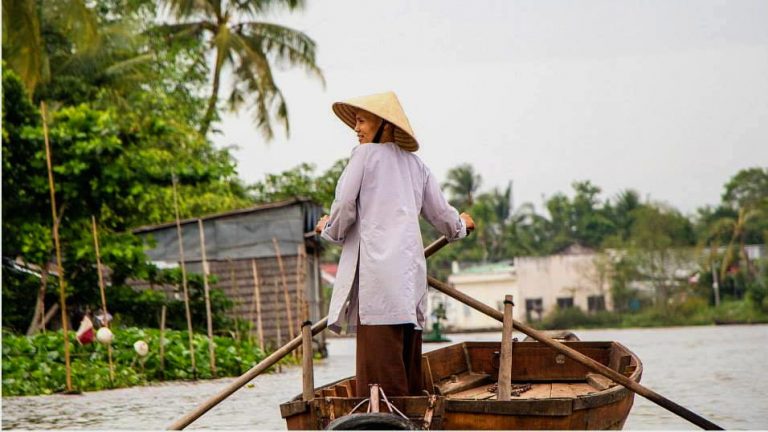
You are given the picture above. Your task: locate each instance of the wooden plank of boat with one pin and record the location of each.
(562, 395)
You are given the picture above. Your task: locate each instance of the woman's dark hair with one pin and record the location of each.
(380, 132)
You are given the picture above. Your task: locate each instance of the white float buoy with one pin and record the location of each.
(141, 348)
(104, 336)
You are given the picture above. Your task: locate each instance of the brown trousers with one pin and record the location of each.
(389, 355)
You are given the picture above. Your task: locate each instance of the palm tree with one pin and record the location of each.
(23, 43)
(246, 48)
(737, 228)
(462, 183)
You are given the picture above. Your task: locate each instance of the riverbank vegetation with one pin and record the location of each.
(694, 311)
(35, 364)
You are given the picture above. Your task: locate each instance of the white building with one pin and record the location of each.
(577, 277)
(487, 283)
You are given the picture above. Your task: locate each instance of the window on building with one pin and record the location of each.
(533, 309)
(500, 306)
(596, 303)
(467, 311)
(564, 302)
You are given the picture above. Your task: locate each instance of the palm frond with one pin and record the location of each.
(23, 43)
(191, 8)
(251, 8)
(289, 47)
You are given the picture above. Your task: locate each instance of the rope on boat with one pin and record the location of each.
(517, 389)
(392, 409)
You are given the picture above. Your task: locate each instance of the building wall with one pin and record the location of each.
(566, 276)
(489, 288)
(561, 276)
(235, 278)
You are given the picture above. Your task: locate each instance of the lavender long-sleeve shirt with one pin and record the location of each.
(375, 214)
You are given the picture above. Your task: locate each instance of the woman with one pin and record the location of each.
(381, 287)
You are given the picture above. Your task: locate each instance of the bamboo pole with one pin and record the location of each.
(102, 290)
(505, 363)
(278, 318)
(184, 284)
(235, 290)
(257, 303)
(307, 373)
(300, 283)
(299, 293)
(57, 244)
(208, 319)
(288, 313)
(578, 357)
(162, 341)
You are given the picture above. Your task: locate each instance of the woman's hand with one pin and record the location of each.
(324, 220)
(468, 222)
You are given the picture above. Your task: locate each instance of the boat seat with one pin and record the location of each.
(461, 382)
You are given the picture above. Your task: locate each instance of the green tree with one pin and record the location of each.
(660, 246)
(24, 47)
(462, 182)
(300, 182)
(116, 167)
(248, 47)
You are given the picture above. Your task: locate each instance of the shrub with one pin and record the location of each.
(35, 364)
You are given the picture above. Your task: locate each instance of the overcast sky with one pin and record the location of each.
(667, 97)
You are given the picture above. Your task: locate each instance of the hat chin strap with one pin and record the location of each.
(380, 131)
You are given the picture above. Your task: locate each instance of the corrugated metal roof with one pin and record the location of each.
(256, 208)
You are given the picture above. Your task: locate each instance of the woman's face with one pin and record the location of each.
(366, 125)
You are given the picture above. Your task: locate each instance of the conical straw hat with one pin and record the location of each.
(384, 105)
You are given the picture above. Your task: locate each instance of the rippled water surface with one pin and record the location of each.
(718, 372)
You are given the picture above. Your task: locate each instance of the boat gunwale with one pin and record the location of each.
(560, 406)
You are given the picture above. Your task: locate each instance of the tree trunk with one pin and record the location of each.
(37, 317)
(208, 118)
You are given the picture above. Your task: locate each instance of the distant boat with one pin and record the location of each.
(549, 391)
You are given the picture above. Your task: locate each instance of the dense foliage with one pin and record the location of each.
(35, 365)
(127, 112)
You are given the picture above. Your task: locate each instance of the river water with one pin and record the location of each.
(718, 372)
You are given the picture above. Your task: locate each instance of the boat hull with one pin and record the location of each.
(559, 393)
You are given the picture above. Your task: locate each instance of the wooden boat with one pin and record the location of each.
(550, 391)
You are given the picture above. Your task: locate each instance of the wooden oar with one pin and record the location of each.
(577, 356)
(245, 378)
(269, 361)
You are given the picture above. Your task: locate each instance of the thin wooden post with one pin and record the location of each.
(505, 364)
(162, 341)
(375, 401)
(102, 290)
(57, 244)
(300, 284)
(277, 322)
(288, 313)
(257, 303)
(308, 374)
(235, 290)
(184, 283)
(208, 318)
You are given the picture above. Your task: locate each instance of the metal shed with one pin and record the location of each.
(259, 237)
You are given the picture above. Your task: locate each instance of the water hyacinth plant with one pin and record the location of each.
(34, 365)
